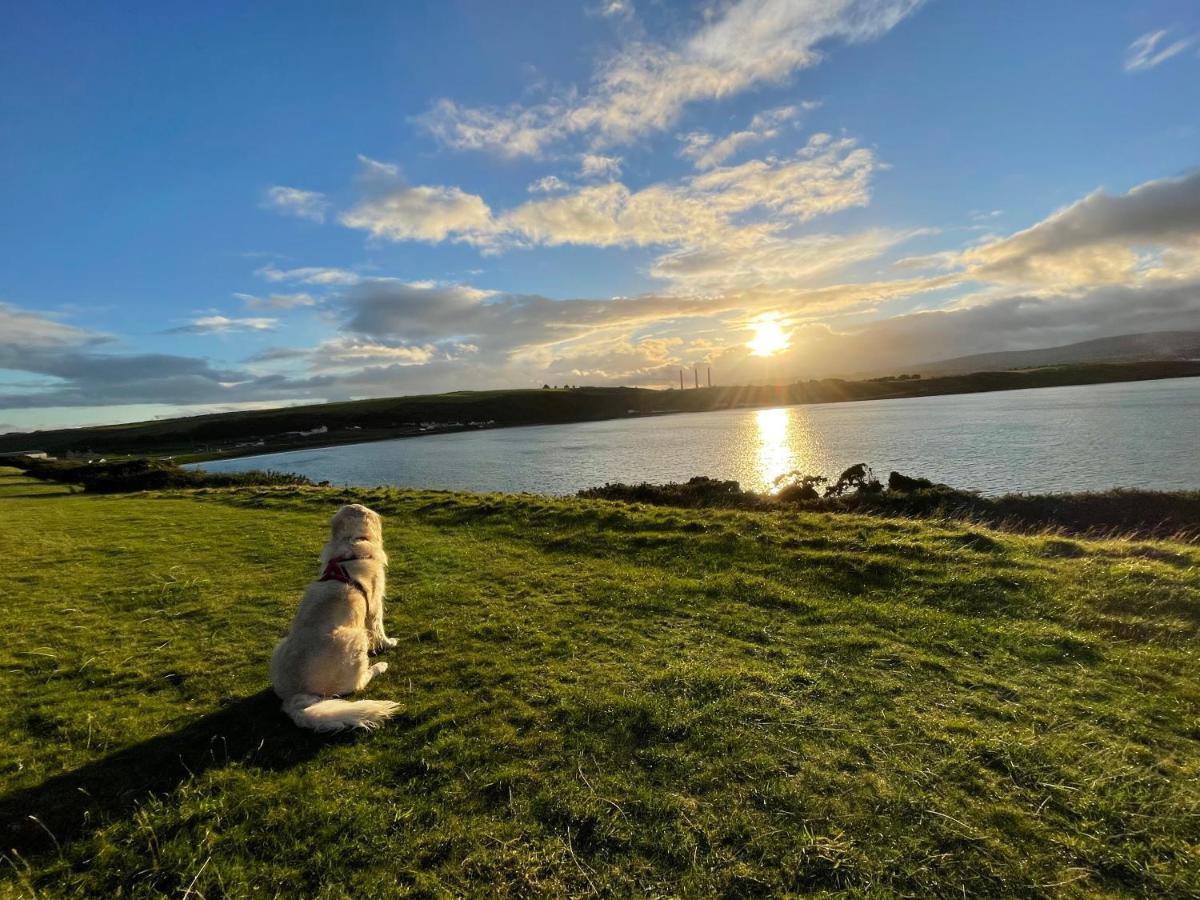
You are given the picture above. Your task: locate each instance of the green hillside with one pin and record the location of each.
(598, 698)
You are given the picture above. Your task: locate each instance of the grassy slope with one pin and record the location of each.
(597, 698)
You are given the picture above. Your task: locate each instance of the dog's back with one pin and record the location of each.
(325, 652)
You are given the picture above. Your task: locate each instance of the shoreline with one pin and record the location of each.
(190, 459)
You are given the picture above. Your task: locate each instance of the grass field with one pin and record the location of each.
(597, 698)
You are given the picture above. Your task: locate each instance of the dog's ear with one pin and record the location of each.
(338, 524)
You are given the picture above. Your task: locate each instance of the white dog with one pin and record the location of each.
(339, 622)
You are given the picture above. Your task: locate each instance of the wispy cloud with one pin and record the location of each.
(645, 86)
(597, 165)
(224, 324)
(620, 9)
(549, 184)
(20, 328)
(748, 208)
(352, 352)
(320, 275)
(430, 213)
(311, 205)
(278, 301)
(707, 151)
(1152, 49)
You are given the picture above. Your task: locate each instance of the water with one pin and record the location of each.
(1092, 437)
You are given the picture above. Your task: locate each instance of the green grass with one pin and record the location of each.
(598, 698)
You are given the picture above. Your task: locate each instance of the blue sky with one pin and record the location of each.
(222, 205)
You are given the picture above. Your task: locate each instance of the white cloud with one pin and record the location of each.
(372, 170)
(699, 211)
(1007, 322)
(20, 328)
(825, 176)
(619, 9)
(278, 301)
(1150, 231)
(310, 205)
(1149, 50)
(550, 184)
(429, 213)
(400, 212)
(596, 165)
(510, 132)
(321, 275)
(752, 260)
(749, 208)
(351, 352)
(645, 86)
(707, 151)
(223, 324)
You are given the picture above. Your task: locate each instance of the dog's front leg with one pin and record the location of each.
(379, 639)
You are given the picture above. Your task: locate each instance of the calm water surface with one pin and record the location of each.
(1144, 434)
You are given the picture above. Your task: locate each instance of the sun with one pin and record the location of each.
(768, 339)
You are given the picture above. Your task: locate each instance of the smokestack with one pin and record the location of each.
(681, 379)
(710, 376)
(696, 375)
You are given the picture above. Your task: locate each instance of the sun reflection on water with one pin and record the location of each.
(786, 441)
(776, 455)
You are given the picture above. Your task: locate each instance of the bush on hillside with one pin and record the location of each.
(144, 475)
(796, 487)
(858, 479)
(1127, 512)
(696, 492)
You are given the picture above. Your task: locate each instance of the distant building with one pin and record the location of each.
(31, 454)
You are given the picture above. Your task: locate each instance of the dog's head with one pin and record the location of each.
(356, 523)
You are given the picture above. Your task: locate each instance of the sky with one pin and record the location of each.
(228, 205)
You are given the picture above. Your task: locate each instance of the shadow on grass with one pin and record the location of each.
(252, 731)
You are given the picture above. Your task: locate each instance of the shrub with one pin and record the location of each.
(902, 483)
(1126, 512)
(858, 479)
(696, 492)
(795, 487)
(145, 475)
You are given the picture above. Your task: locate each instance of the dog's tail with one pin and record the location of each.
(319, 714)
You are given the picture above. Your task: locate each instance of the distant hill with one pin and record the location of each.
(1152, 346)
(293, 427)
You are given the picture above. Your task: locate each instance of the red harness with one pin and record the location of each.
(335, 571)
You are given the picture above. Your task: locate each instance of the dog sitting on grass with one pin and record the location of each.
(325, 653)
